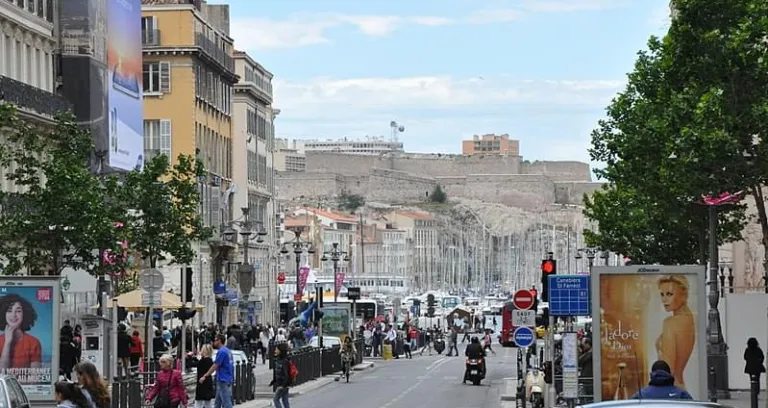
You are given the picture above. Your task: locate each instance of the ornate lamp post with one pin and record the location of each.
(336, 255)
(245, 271)
(299, 246)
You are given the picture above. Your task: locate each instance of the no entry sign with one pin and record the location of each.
(523, 299)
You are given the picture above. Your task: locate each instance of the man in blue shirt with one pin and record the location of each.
(224, 368)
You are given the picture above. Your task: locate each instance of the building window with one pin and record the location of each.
(148, 23)
(157, 77)
(157, 138)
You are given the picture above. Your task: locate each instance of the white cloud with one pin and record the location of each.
(304, 30)
(660, 18)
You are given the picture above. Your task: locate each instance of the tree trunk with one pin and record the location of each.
(757, 193)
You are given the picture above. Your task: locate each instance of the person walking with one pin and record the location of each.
(169, 386)
(205, 394)
(224, 368)
(754, 359)
(281, 377)
(662, 385)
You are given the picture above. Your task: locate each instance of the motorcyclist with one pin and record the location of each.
(474, 351)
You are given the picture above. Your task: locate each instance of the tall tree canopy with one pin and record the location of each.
(688, 124)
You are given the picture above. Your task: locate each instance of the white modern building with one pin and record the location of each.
(288, 158)
(370, 145)
(253, 151)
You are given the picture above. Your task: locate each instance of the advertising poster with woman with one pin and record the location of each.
(647, 314)
(28, 346)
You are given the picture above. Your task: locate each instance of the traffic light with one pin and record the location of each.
(431, 303)
(186, 313)
(548, 267)
(188, 285)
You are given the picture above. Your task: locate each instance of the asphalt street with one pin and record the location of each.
(424, 382)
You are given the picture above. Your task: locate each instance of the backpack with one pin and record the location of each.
(293, 372)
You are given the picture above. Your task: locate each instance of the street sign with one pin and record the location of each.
(523, 318)
(297, 297)
(569, 295)
(523, 299)
(152, 299)
(353, 293)
(258, 307)
(151, 280)
(280, 278)
(524, 336)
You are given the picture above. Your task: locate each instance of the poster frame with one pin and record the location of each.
(697, 271)
(54, 283)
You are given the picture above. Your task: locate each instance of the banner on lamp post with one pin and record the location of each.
(303, 276)
(339, 282)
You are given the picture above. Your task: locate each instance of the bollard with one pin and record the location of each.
(712, 384)
(754, 382)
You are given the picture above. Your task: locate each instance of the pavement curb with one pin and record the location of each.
(363, 366)
(302, 389)
(508, 397)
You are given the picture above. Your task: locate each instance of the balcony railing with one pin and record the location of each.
(214, 52)
(30, 98)
(150, 37)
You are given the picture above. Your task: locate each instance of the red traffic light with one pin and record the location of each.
(548, 266)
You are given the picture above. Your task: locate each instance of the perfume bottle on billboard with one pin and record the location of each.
(113, 129)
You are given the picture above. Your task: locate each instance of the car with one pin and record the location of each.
(12, 394)
(328, 342)
(654, 404)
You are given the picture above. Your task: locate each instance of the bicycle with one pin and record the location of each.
(346, 368)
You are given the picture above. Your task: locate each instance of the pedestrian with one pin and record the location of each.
(754, 359)
(137, 349)
(92, 385)
(487, 340)
(205, 393)
(169, 386)
(224, 368)
(453, 341)
(281, 377)
(662, 385)
(68, 395)
(124, 343)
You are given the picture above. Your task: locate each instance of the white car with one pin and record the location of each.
(328, 342)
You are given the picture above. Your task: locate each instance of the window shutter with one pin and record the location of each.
(215, 202)
(165, 138)
(165, 77)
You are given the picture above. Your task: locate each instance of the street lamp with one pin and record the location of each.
(590, 254)
(336, 255)
(299, 246)
(245, 271)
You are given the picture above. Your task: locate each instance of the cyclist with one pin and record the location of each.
(348, 353)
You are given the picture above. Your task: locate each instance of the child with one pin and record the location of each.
(69, 395)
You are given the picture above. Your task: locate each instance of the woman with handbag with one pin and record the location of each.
(168, 390)
(205, 393)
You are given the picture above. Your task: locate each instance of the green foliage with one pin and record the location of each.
(58, 216)
(680, 130)
(164, 220)
(350, 202)
(438, 195)
(129, 283)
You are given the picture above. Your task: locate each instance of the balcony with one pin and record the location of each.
(150, 38)
(32, 99)
(215, 53)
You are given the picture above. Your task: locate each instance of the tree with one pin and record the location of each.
(350, 202)
(650, 209)
(57, 217)
(164, 220)
(438, 195)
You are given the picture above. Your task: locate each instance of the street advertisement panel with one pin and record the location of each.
(335, 321)
(648, 314)
(124, 90)
(29, 343)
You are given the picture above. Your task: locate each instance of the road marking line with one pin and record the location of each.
(435, 363)
(433, 367)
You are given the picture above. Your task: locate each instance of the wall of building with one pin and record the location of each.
(573, 192)
(559, 170)
(397, 186)
(315, 184)
(176, 26)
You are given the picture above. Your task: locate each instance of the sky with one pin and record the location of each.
(542, 71)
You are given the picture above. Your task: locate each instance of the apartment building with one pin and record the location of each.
(253, 148)
(189, 77)
(288, 157)
(27, 46)
(491, 144)
(381, 262)
(423, 243)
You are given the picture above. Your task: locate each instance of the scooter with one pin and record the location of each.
(534, 382)
(439, 345)
(474, 371)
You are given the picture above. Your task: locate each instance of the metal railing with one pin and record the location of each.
(214, 52)
(28, 97)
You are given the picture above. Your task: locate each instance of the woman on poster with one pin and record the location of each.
(18, 348)
(678, 334)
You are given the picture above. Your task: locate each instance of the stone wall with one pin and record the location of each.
(568, 192)
(559, 170)
(294, 185)
(397, 186)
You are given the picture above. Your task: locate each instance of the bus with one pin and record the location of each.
(507, 330)
(365, 309)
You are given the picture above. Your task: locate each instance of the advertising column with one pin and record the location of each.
(29, 344)
(124, 86)
(648, 314)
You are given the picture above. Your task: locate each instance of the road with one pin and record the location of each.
(423, 382)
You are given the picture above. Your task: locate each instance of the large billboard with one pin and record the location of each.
(646, 314)
(124, 85)
(29, 345)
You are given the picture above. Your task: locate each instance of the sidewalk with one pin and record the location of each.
(264, 391)
(740, 399)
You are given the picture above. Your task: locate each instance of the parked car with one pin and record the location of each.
(654, 404)
(12, 395)
(328, 342)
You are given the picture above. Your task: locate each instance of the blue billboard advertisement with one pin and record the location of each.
(124, 88)
(29, 343)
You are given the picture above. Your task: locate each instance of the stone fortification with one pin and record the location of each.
(405, 178)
